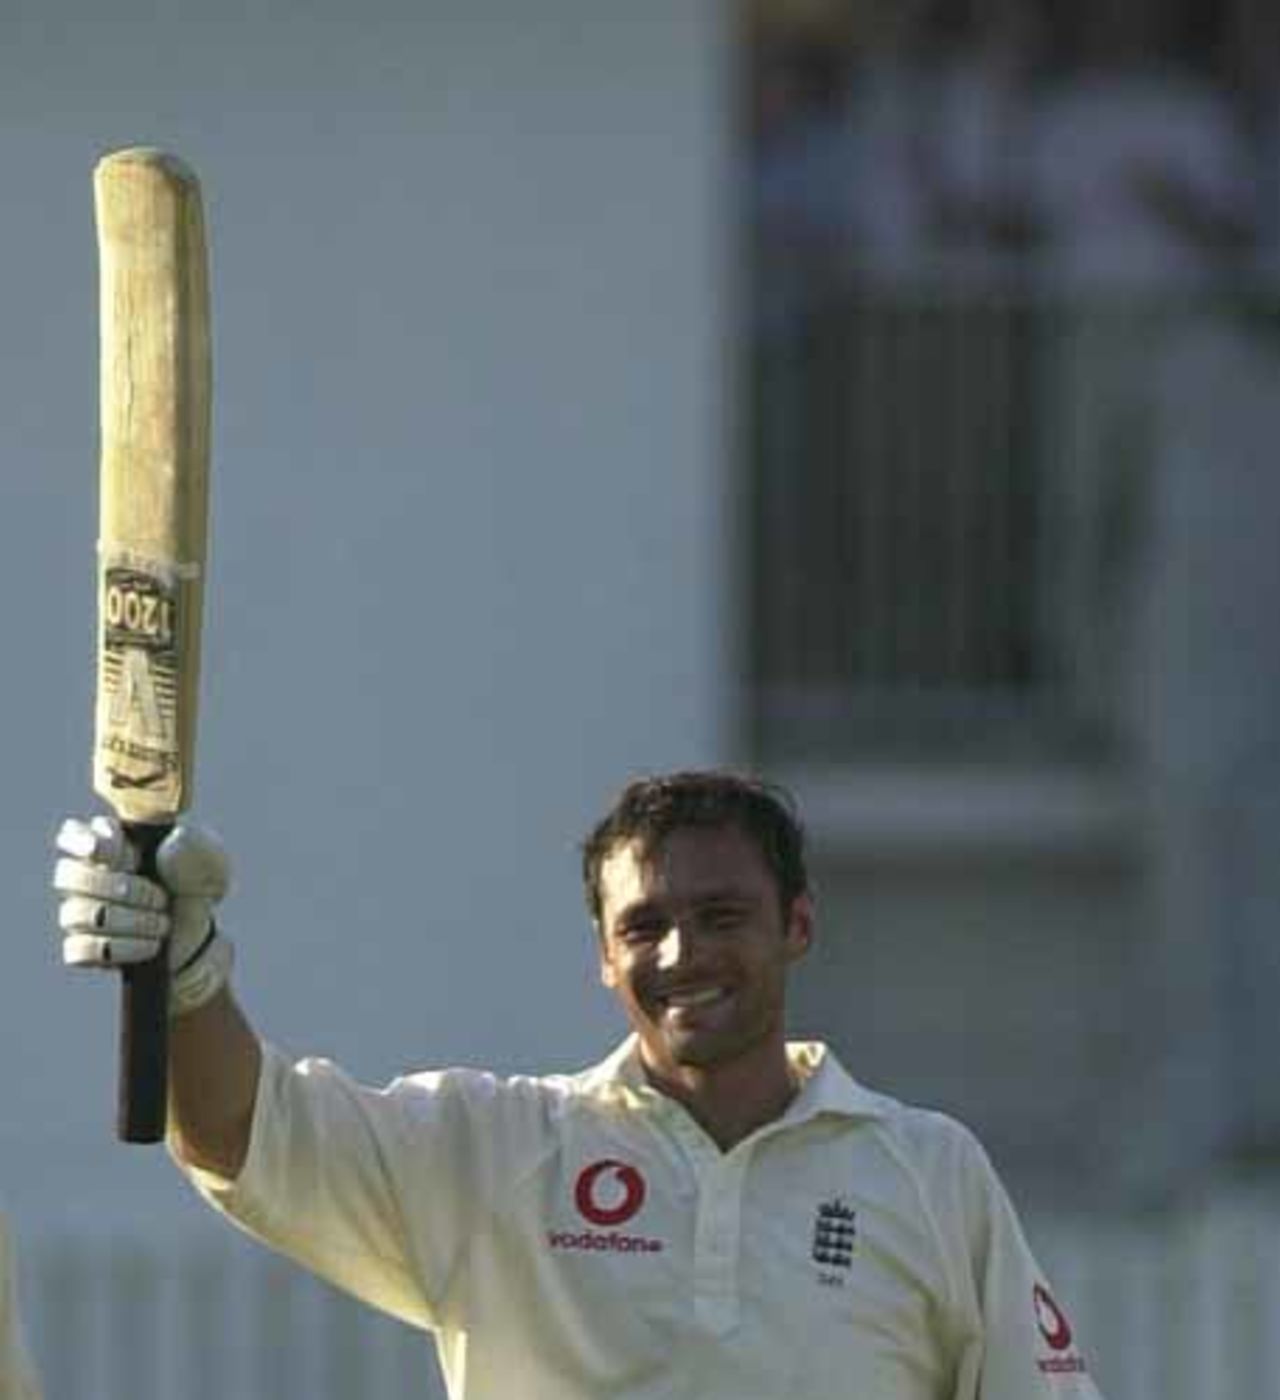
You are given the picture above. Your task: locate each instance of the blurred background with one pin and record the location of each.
(882, 394)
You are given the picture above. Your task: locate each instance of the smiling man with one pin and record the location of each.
(712, 1213)
(697, 932)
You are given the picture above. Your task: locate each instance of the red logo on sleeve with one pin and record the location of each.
(609, 1193)
(1054, 1327)
(1056, 1331)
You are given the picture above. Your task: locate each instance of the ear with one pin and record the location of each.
(799, 932)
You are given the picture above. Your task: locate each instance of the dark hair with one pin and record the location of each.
(650, 808)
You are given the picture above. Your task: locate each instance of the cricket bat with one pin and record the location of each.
(153, 508)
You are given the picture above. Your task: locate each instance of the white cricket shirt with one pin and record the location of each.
(581, 1238)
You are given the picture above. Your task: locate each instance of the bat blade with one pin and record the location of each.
(153, 510)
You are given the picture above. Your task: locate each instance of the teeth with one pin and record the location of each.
(695, 998)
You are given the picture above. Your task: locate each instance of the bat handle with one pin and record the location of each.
(144, 1022)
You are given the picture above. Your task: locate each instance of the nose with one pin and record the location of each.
(673, 947)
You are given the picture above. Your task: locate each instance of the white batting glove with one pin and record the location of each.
(110, 916)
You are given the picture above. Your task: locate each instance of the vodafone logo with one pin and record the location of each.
(609, 1193)
(1054, 1327)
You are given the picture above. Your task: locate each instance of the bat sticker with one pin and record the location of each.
(142, 612)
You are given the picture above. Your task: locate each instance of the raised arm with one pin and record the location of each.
(214, 1063)
(110, 916)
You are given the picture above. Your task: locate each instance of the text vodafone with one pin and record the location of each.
(612, 1242)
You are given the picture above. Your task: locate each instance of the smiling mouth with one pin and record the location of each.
(692, 999)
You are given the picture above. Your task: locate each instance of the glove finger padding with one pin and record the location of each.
(81, 877)
(76, 914)
(191, 860)
(95, 950)
(99, 840)
(110, 916)
(193, 864)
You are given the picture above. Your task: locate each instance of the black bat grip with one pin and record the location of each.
(144, 1022)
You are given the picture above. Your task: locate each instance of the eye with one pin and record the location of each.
(723, 918)
(640, 928)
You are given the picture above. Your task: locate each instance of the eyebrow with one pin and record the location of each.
(727, 895)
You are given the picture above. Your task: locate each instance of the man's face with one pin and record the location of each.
(696, 946)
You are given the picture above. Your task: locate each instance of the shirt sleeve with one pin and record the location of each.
(1023, 1345)
(374, 1190)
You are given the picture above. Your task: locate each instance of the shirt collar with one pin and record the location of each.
(826, 1087)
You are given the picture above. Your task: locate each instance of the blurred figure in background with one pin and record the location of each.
(1162, 572)
(1207, 663)
(1142, 181)
(895, 229)
(985, 233)
(984, 220)
(17, 1377)
(1050, 310)
(884, 175)
(1250, 74)
(798, 241)
(797, 227)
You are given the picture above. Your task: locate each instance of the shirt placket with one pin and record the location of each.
(717, 1237)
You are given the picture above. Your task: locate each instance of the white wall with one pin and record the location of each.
(468, 261)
